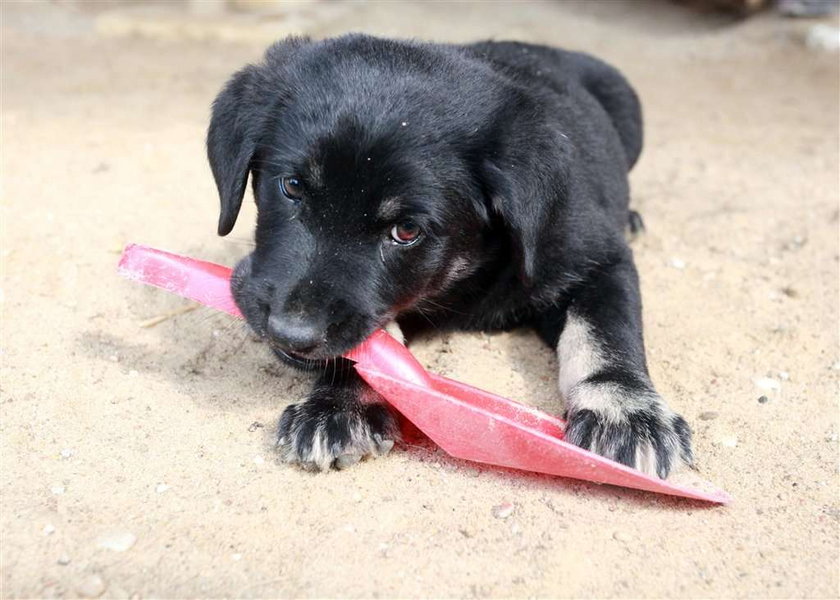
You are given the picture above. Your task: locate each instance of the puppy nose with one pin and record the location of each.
(295, 335)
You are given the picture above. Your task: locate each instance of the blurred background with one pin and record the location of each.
(263, 21)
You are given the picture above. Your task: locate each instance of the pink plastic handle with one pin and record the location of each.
(466, 422)
(205, 282)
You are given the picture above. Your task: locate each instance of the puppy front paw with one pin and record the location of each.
(650, 438)
(319, 434)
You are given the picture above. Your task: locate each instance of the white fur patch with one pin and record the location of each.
(646, 458)
(580, 357)
(577, 353)
(602, 398)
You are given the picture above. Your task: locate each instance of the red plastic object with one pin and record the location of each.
(205, 282)
(466, 422)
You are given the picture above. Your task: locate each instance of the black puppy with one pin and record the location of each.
(479, 187)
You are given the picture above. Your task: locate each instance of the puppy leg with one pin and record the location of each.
(341, 422)
(612, 407)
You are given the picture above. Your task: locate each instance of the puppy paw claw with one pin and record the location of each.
(383, 446)
(346, 460)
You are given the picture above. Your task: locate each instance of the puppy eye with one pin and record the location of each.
(292, 188)
(406, 233)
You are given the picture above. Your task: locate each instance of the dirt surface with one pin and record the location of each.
(138, 461)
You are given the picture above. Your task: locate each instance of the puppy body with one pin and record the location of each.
(460, 187)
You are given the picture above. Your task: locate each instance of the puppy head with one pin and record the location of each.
(369, 199)
(359, 216)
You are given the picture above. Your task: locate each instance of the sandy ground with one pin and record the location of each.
(138, 461)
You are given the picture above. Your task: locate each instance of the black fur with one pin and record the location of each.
(512, 159)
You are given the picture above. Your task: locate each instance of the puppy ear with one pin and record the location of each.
(231, 144)
(526, 191)
(240, 112)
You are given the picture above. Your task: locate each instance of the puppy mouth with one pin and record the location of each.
(296, 360)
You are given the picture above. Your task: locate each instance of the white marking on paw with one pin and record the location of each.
(611, 400)
(318, 454)
(321, 454)
(646, 458)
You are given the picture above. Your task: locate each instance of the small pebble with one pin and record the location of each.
(161, 487)
(63, 560)
(621, 536)
(677, 263)
(91, 586)
(66, 453)
(254, 426)
(258, 460)
(503, 510)
(49, 529)
(57, 489)
(709, 415)
(236, 556)
(763, 399)
(114, 358)
(767, 383)
(831, 438)
(729, 441)
(118, 541)
(784, 375)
